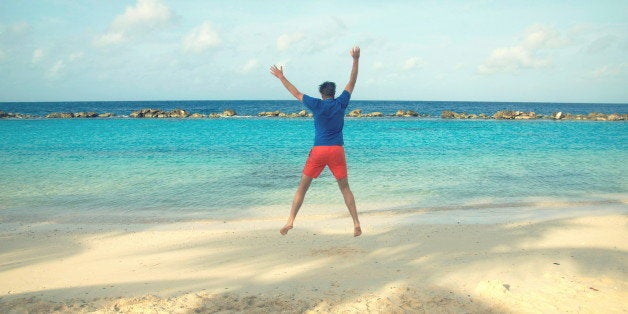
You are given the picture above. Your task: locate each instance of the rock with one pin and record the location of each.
(60, 115)
(178, 113)
(596, 116)
(229, 113)
(406, 113)
(214, 115)
(4, 114)
(86, 115)
(197, 115)
(504, 114)
(300, 114)
(106, 115)
(558, 115)
(355, 113)
(616, 117)
(145, 113)
(518, 115)
(374, 114)
(448, 114)
(275, 113)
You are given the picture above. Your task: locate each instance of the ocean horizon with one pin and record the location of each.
(253, 107)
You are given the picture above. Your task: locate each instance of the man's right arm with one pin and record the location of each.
(355, 53)
(278, 73)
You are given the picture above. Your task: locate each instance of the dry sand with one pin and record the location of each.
(573, 264)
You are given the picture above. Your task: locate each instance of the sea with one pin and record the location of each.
(112, 170)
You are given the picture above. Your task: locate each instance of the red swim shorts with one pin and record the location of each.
(331, 156)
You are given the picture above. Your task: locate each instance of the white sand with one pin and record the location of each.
(559, 265)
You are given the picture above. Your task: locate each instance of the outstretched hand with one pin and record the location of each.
(355, 52)
(277, 71)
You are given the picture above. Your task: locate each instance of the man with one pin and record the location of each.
(329, 115)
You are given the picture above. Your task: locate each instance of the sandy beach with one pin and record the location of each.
(564, 263)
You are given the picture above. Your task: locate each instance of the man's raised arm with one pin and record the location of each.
(355, 53)
(278, 73)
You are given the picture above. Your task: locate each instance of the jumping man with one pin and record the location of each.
(329, 113)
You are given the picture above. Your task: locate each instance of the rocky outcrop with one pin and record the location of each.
(516, 115)
(60, 115)
(10, 115)
(406, 113)
(275, 113)
(229, 113)
(448, 114)
(355, 113)
(106, 115)
(157, 113)
(197, 116)
(90, 114)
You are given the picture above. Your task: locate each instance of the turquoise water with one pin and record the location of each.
(243, 167)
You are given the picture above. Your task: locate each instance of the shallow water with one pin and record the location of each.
(249, 167)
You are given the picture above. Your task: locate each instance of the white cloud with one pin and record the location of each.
(37, 55)
(75, 56)
(286, 40)
(109, 38)
(249, 66)
(55, 70)
(412, 63)
(201, 38)
(378, 65)
(610, 70)
(524, 55)
(145, 16)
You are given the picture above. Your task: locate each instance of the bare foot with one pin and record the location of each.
(357, 231)
(285, 229)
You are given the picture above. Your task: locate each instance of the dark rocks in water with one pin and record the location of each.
(229, 113)
(157, 113)
(90, 114)
(374, 114)
(197, 116)
(515, 115)
(408, 113)
(106, 115)
(178, 113)
(448, 114)
(355, 113)
(275, 113)
(60, 115)
(10, 115)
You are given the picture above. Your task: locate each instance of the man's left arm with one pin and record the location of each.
(278, 73)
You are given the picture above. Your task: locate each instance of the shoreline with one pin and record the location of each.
(570, 262)
(355, 113)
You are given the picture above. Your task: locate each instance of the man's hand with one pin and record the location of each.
(355, 52)
(278, 71)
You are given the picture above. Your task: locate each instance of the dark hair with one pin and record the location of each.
(327, 89)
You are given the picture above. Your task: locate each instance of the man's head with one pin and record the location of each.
(327, 89)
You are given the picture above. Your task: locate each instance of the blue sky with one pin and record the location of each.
(546, 51)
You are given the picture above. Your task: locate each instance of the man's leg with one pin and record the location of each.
(297, 202)
(343, 184)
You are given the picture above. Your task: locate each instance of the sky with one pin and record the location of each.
(536, 51)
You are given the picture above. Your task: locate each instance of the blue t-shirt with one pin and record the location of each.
(329, 118)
